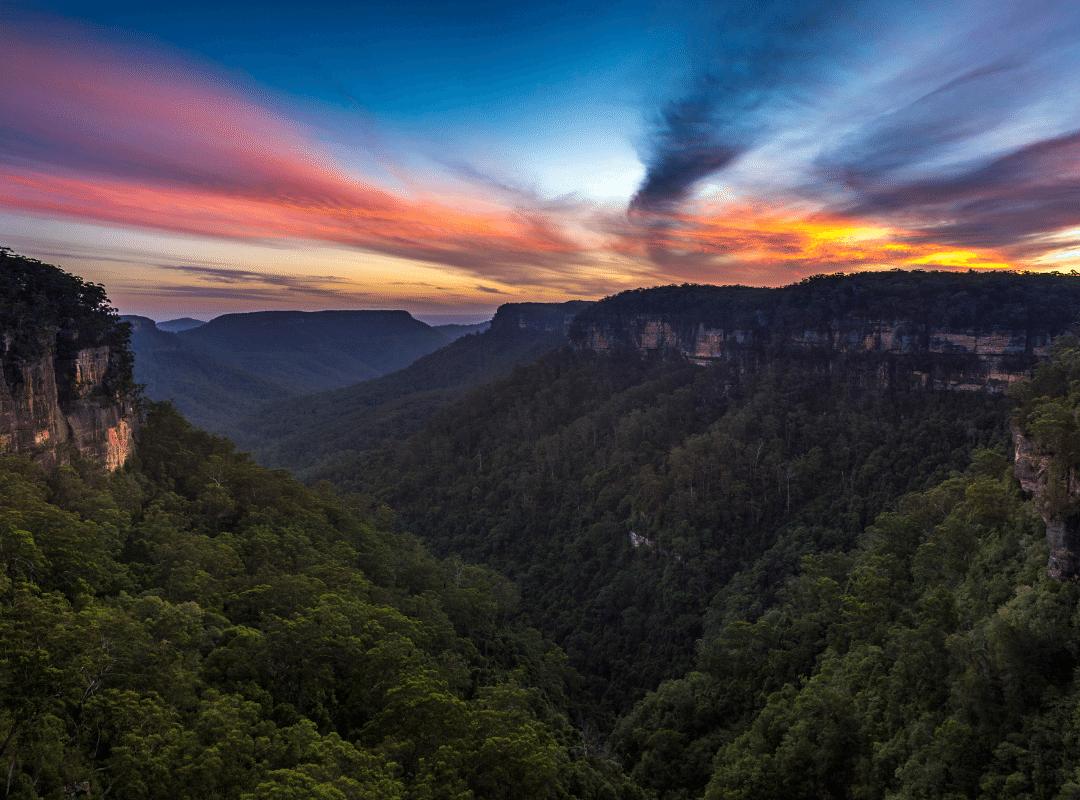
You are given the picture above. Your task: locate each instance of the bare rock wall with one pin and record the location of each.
(49, 407)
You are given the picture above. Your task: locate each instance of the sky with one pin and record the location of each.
(447, 157)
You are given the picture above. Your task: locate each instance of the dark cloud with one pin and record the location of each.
(768, 56)
(943, 119)
(959, 164)
(1033, 191)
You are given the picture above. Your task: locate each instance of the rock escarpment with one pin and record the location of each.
(52, 406)
(66, 386)
(539, 317)
(936, 330)
(1033, 470)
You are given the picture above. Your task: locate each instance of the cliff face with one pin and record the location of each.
(932, 329)
(883, 350)
(1062, 532)
(539, 317)
(50, 404)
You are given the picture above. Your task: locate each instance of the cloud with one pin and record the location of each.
(986, 157)
(955, 130)
(811, 136)
(1032, 191)
(755, 244)
(766, 59)
(87, 133)
(329, 286)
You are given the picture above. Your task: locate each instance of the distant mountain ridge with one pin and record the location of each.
(299, 432)
(208, 392)
(219, 371)
(181, 324)
(316, 351)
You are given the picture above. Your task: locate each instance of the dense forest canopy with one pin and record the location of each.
(983, 301)
(38, 299)
(299, 433)
(197, 626)
(639, 502)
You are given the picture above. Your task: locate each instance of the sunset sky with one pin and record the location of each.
(447, 157)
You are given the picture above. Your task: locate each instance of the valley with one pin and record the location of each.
(682, 542)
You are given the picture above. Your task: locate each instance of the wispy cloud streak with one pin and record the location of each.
(767, 59)
(89, 135)
(957, 130)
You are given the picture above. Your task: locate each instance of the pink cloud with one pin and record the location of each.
(94, 135)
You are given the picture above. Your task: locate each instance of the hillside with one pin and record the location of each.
(181, 324)
(219, 372)
(632, 499)
(209, 393)
(196, 626)
(638, 490)
(315, 351)
(299, 433)
(732, 544)
(191, 625)
(940, 329)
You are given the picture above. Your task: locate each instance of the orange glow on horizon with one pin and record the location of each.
(791, 245)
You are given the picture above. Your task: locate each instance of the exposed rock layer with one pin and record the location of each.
(883, 350)
(1032, 469)
(52, 406)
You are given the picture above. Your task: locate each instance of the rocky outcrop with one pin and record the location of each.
(51, 407)
(1032, 469)
(973, 332)
(539, 317)
(935, 330)
(884, 351)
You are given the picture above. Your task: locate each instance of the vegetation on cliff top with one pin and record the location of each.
(45, 310)
(971, 300)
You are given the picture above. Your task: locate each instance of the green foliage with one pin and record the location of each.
(197, 626)
(44, 310)
(300, 433)
(779, 583)
(1046, 412)
(936, 660)
(981, 301)
(726, 480)
(219, 374)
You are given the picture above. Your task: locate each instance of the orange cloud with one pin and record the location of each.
(747, 243)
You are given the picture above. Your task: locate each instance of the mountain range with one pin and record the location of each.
(217, 371)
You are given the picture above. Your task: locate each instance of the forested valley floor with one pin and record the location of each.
(786, 583)
(842, 597)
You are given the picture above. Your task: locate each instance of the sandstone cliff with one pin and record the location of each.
(66, 360)
(935, 330)
(52, 406)
(1032, 469)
